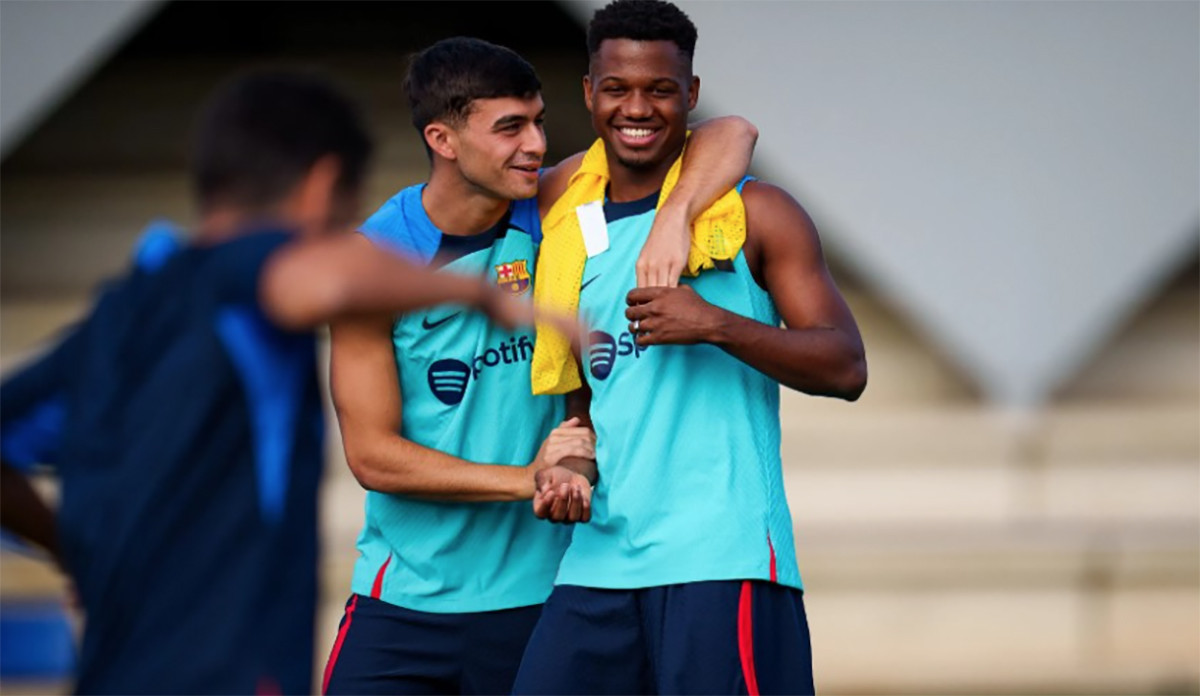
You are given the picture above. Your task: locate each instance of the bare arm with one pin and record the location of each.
(307, 283)
(553, 182)
(819, 352)
(717, 157)
(564, 491)
(368, 402)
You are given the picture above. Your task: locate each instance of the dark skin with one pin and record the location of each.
(819, 351)
(25, 513)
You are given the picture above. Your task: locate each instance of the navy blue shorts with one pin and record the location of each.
(385, 649)
(723, 637)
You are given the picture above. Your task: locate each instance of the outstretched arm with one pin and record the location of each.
(306, 283)
(819, 351)
(367, 398)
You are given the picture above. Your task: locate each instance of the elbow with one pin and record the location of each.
(365, 468)
(748, 129)
(852, 381)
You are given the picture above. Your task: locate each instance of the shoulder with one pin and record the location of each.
(401, 225)
(244, 254)
(763, 198)
(775, 220)
(229, 272)
(769, 207)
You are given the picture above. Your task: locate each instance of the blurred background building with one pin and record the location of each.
(1009, 195)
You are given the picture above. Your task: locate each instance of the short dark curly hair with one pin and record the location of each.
(642, 20)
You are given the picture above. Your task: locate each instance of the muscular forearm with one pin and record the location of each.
(818, 361)
(403, 467)
(23, 511)
(717, 157)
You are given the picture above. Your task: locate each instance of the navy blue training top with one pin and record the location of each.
(186, 430)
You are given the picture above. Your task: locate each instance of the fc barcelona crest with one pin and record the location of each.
(513, 276)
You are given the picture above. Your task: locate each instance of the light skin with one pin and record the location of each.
(819, 350)
(478, 167)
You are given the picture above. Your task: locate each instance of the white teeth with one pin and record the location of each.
(637, 132)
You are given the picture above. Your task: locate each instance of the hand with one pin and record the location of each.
(671, 316)
(562, 496)
(511, 312)
(664, 255)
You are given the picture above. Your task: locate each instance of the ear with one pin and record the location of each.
(587, 91)
(314, 195)
(442, 140)
(694, 92)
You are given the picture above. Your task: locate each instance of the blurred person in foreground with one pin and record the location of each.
(183, 414)
(435, 407)
(685, 580)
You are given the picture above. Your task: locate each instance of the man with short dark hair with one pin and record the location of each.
(685, 580)
(435, 408)
(183, 414)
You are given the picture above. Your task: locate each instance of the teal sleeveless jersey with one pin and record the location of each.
(465, 390)
(690, 487)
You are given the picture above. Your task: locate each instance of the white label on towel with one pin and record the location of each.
(594, 227)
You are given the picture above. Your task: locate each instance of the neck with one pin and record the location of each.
(629, 184)
(458, 207)
(222, 224)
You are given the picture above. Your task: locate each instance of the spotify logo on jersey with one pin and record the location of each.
(448, 377)
(603, 351)
(448, 380)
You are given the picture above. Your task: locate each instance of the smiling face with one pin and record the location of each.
(640, 94)
(499, 147)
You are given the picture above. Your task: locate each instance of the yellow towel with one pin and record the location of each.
(717, 234)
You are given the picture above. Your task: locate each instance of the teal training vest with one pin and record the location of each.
(691, 486)
(466, 391)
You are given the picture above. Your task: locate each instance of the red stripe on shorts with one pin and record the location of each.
(774, 576)
(377, 588)
(746, 639)
(337, 645)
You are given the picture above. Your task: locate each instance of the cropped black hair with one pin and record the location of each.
(444, 79)
(642, 20)
(261, 132)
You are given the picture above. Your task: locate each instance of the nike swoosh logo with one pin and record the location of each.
(589, 282)
(427, 325)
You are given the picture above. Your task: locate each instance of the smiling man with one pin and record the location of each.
(436, 411)
(685, 580)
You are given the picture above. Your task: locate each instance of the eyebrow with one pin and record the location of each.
(622, 80)
(510, 119)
